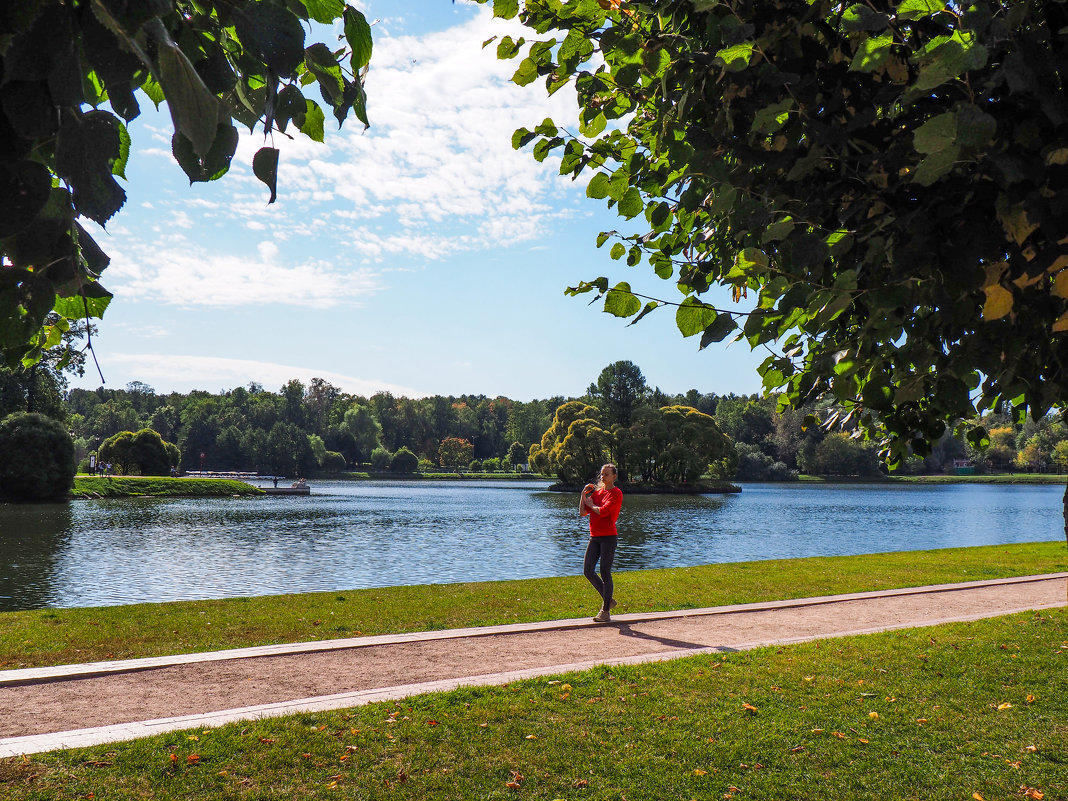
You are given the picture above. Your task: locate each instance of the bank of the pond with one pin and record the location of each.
(998, 478)
(86, 487)
(662, 488)
(58, 636)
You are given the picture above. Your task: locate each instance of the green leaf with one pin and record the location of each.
(215, 163)
(938, 133)
(631, 205)
(650, 306)
(693, 316)
(358, 35)
(863, 18)
(314, 122)
(324, 11)
(527, 72)
(771, 118)
(719, 329)
(265, 166)
(194, 109)
(975, 127)
(936, 165)
(872, 53)
(918, 9)
(594, 126)
(618, 251)
(736, 57)
(621, 302)
(271, 34)
(777, 231)
(79, 307)
(506, 9)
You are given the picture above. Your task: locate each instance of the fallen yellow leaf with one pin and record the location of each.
(921, 720)
(977, 797)
(1031, 792)
(532, 737)
(873, 715)
(749, 707)
(1030, 699)
(699, 772)
(1006, 705)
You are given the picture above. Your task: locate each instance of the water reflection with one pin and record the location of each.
(361, 534)
(32, 537)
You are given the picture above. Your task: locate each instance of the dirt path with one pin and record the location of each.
(57, 705)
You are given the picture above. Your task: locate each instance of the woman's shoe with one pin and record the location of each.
(603, 617)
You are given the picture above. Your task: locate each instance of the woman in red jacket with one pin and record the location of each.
(601, 502)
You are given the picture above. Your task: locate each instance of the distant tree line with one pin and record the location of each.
(307, 429)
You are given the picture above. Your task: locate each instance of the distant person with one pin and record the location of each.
(601, 502)
(275, 480)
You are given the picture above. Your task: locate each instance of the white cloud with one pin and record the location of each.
(184, 373)
(187, 275)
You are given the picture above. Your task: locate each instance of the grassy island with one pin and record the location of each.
(86, 487)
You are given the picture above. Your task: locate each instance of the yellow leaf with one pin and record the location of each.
(532, 737)
(1031, 792)
(1004, 706)
(873, 715)
(998, 302)
(977, 797)
(749, 707)
(1060, 284)
(1058, 156)
(862, 740)
(565, 687)
(1030, 699)
(921, 720)
(699, 772)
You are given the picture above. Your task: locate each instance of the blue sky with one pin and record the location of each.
(422, 256)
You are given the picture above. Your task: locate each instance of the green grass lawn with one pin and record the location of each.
(158, 487)
(962, 711)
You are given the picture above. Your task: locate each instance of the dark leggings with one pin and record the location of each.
(603, 549)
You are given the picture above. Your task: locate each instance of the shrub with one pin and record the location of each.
(36, 458)
(404, 461)
(380, 458)
(475, 466)
(333, 462)
(427, 466)
(754, 465)
(148, 453)
(491, 465)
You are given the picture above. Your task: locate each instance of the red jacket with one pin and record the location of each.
(609, 502)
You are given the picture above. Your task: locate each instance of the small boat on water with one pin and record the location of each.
(303, 490)
(299, 487)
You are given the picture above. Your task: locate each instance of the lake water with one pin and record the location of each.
(350, 535)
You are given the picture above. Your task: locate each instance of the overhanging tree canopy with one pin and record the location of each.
(215, 62)
(883, 181)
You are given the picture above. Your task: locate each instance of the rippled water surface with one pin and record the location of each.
(370, 534)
